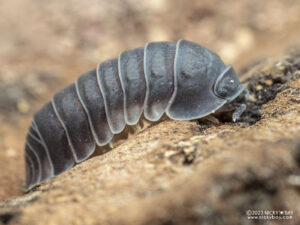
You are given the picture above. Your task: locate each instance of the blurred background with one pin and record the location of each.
(45, 45)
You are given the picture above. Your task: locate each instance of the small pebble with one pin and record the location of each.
(252, 98)
(189, 150)
(269, 82)
(23, 106)
(170, 153)
(183, 143)
(11, 152)
(149, 166)
(280, 65)
(259, 87)
(294, 180)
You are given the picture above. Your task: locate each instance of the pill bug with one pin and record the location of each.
(185, 81)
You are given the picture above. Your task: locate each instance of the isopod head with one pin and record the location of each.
(202, 83)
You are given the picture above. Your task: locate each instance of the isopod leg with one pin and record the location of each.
(240, 108)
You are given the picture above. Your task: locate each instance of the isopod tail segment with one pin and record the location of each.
(185, 81)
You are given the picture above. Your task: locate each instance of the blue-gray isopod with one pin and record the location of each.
(184, 80)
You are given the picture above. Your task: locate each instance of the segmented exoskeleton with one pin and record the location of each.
(184, 80)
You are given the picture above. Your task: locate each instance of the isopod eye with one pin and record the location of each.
(227, 84)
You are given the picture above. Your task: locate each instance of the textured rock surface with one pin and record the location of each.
(187, 172)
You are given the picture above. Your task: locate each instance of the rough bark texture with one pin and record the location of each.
(191, 172)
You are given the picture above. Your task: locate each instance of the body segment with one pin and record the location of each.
(111, 89)
(92, 101)
(131, 71)
(72, 117)
(159, 74)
